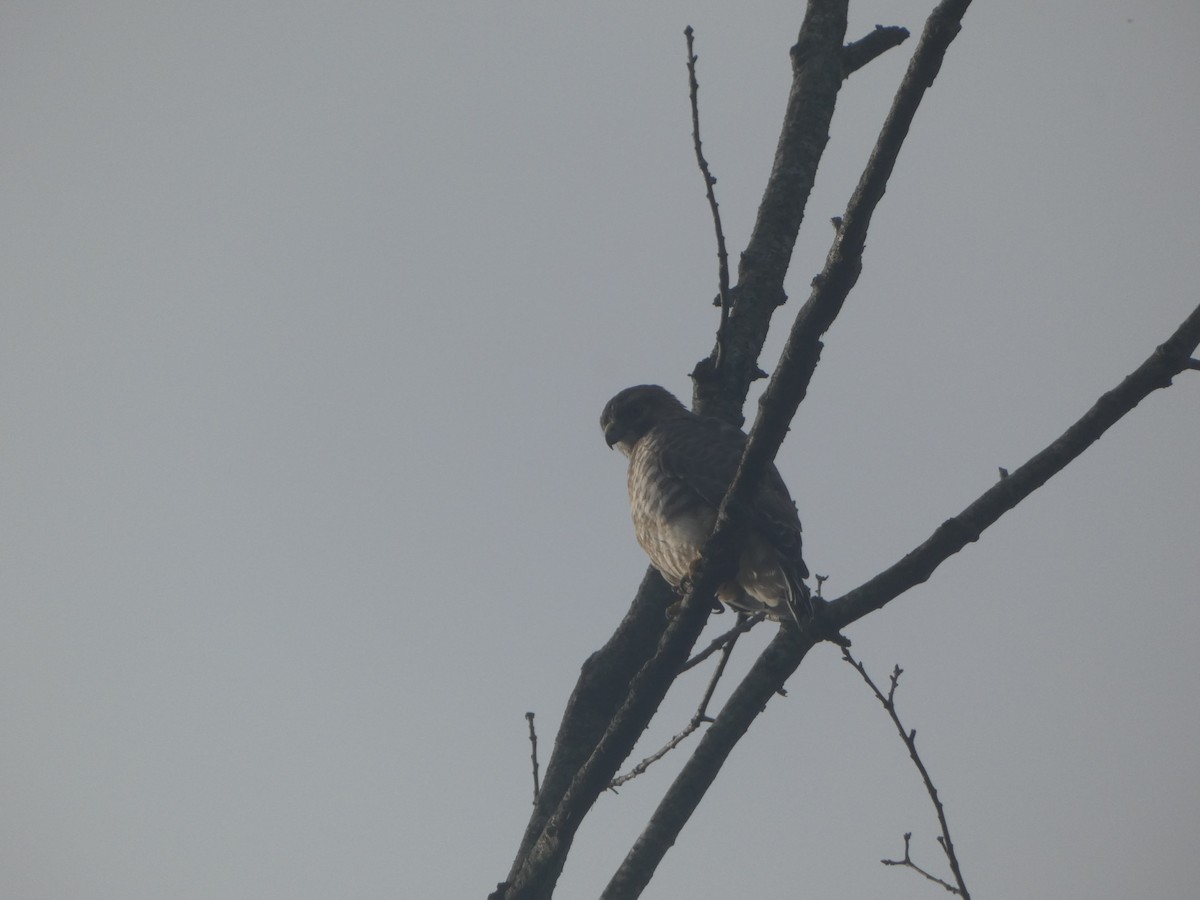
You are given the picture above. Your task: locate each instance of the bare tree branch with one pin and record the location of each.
(1168, 360)
(769, 672)
(701, 715)
(744, 624)
(597, 696)
(907, 862)
(857, 54)
(910, 742)
(533, 753)
(843, 264)
(817, 74)
(540, 871)
(709, 183)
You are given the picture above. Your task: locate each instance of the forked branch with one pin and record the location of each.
(910, 742)
(701, 716)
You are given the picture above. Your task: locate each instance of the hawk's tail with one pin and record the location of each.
(799, 599)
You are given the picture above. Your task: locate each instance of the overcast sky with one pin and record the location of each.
(309, 312)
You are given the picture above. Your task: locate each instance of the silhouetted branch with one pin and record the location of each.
(654, 757)
(533, 754)
(744, 624)
(538, 871)
(769, 672)
(709, 182)
(843, 264)
(817, 75)
(701, 715)
(598, 694)
(1168, 360)
(907, 862)
(857, 54)
(910, 741)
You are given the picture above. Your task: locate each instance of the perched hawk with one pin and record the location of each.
(680, 465)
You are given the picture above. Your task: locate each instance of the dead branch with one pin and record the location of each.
(533, 753)
(789, 384)
(857, 54)
(701, 715)
(907, 862)
(1170, 359)
(910, 742)
(709, 183)
(817, 75)
(744, 624)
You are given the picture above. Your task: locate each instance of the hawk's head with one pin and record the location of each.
(634, 411)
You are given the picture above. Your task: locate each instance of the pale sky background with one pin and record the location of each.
(309, 312)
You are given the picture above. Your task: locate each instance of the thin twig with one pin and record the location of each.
(910, 741)
(657, 755)
(709, 181)
(702, 711)
(907, 862)
(533, 755)
(701, 716)
(744, 624)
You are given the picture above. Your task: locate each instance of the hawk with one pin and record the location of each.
(680, 465)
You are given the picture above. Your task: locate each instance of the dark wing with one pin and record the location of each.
(704, 453)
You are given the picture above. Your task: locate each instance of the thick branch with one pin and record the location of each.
(844, 262)
(789, 384)
(817, 67)
(761, 683)
(1167, 361)
(537, 872)
(598, 694)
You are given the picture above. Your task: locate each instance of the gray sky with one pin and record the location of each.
(309, 313)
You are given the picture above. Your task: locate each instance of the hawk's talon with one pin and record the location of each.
(685, 586)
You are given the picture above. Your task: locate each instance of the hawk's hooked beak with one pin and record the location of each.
(611, 436)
